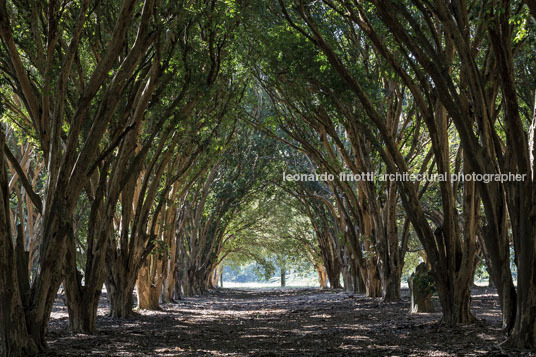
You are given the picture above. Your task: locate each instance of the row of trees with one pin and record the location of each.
(119, 109)
(414, 86)
(144, 142)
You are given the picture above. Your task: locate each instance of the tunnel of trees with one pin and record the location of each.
(145, 144)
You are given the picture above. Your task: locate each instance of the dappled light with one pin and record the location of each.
(302, 321)
(251, 177)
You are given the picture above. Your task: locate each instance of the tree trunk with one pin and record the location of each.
(168, 284)
(373, 283)
(121, 298)
(524, 333)
(83, 314)
(215, 276)
(391, 270)
(322, 276)
(48, 281)
(83, 300)
(195, 282)
(456, 308)
(14, 337)
(283, 277)
(334, 276)
(359, 284)
(391, 286)
(347, 279)
(15, 340)
(354, 280)
(149, 286)
(455, 300)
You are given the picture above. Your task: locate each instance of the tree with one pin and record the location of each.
(68, 131)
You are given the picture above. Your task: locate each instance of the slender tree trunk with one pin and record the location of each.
(390, 265)
(14, 337)
(524, 331)
(168, 284)
(47, 283)
(347, 279)
(322, 276)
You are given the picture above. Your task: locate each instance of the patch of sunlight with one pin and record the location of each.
(293, 281)
(357, 338)
(322, 316)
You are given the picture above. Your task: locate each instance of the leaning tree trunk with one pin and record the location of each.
(322, 276)
(14, 337)
(524, 332)
(388, 250)
(47, 283)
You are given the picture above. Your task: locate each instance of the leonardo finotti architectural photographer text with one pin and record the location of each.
(405, 176)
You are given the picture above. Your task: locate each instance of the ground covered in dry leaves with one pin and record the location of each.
(311, 322)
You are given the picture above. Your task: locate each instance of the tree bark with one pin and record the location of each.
(455, 305)
(149, 286)
(391, 286)
(83, 313)
(322, 276)
(14, 337)
(120, 295)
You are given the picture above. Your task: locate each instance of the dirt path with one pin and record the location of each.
(281, 322)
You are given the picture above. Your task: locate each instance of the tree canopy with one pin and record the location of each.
(147, 144)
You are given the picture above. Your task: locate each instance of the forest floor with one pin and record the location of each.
(281, 322)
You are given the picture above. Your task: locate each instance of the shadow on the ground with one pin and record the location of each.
(282, 322)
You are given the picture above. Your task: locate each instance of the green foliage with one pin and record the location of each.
(411, 260)
(424, 283)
